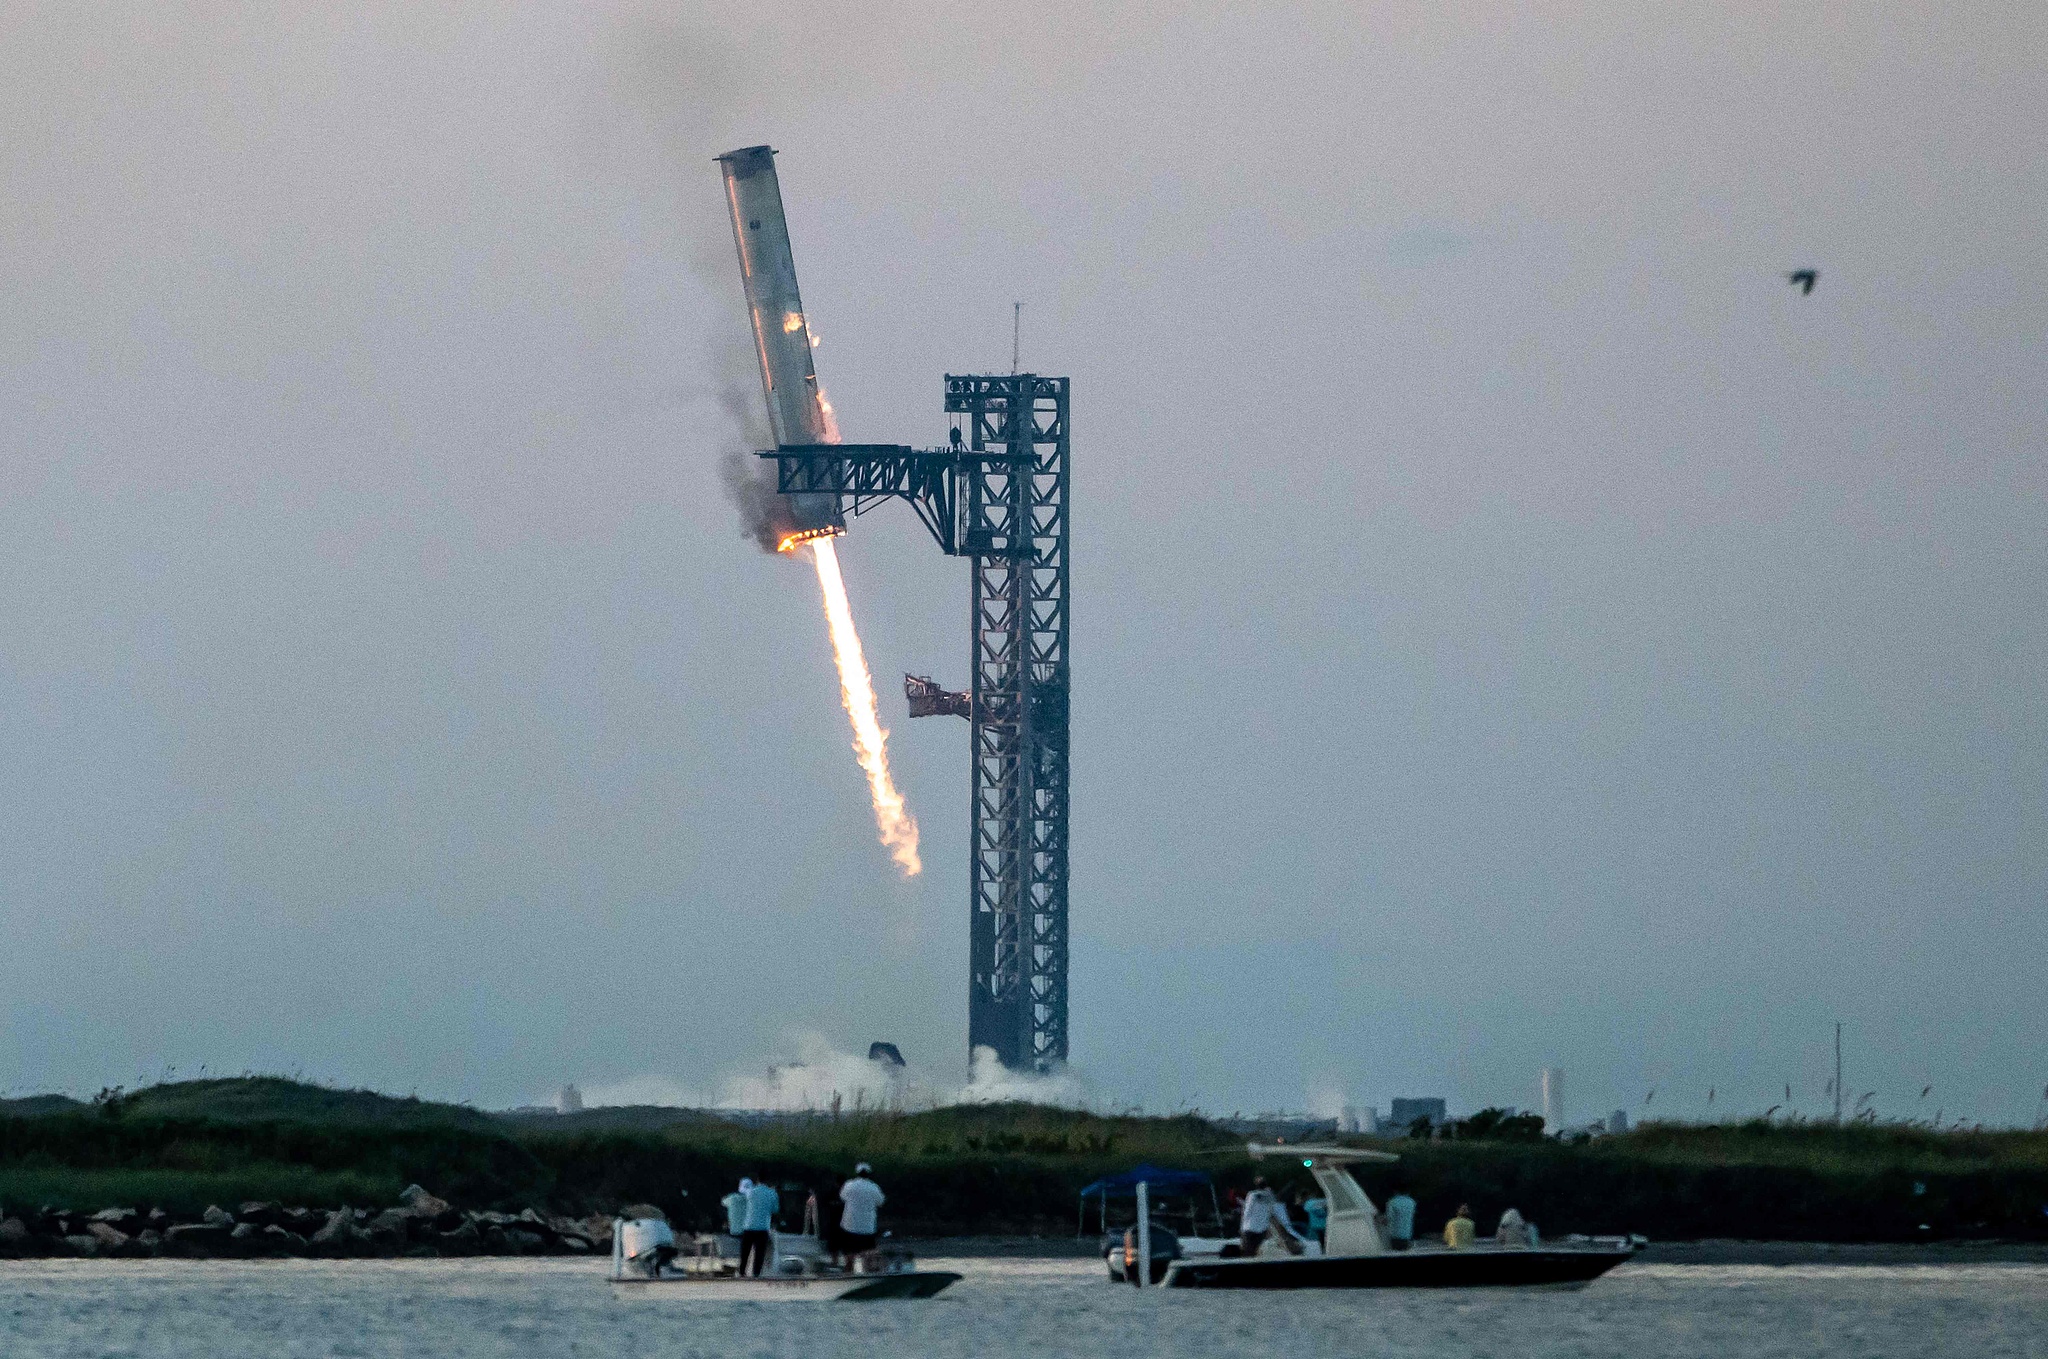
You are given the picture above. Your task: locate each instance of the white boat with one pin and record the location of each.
(1355, 1253)
(648, 1262)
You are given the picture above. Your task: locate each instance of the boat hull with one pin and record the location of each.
(920, 1283)
(1404, 1269)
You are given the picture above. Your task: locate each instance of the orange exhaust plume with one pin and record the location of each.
(857, 691)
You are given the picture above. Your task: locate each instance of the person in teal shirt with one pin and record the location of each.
(735, 1205)
(762, 1205)
(1400, 1221)
(1318, 1211)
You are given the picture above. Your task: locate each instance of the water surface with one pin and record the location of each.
(1003, 1308)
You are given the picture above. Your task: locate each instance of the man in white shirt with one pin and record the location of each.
(1257, 1217)
(1263, 1213)
(859, 1228)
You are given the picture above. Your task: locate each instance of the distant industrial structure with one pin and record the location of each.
(1405, 1113)
(1552, 1082)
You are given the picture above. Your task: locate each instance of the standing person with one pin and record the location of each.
(1264, 1211)
(1400, 1221)
(1459, 1232)
(1317, 1211)
(1255, 1219)
(859, 1227)
(735, 1205)
(762, 1205)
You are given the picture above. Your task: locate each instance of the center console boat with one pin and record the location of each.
(1355, 1253)
(648, 1262)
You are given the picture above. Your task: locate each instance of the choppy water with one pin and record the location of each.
(1004, 1308)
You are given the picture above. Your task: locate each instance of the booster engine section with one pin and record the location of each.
(797, 410)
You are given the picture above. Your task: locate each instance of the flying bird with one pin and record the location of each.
(1804, 279)
(1924, 1090)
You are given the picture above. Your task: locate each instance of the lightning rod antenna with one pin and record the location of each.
(1016, 331)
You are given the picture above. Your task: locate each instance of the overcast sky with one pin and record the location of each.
(1512, 626)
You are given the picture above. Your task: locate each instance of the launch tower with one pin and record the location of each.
(996, 495)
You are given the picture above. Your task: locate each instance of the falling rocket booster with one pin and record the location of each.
(797, 410)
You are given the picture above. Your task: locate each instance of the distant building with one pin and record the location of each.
(1618, 1121)
(1407, 1111)
(570, 1101)
(1553, 1099)
(1357, 1120)
(885, 1052)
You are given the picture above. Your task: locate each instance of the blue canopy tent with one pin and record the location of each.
(1157, 1181)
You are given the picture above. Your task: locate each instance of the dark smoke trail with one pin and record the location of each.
(683, 80)
(750, 483)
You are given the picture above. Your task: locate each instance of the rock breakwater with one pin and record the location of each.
(419, 1225)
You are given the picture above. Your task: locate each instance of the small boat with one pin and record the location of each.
(1355, 1254)
(647, 1262)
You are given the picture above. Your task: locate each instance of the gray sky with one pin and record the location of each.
(1512, 626)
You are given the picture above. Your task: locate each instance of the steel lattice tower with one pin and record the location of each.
(998, 496)
(1014, 511)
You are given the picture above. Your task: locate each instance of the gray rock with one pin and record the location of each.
(248, 1239)
(523, 1242)
(420, 1203)
(392, 1220)
(284, 1241)
(110, 1237)
(217, 1216)
(13, 1232)
(262, 1214)
(83, 1245)
(149, 1241)
(382, 1240)
(197, 1239)
(642, 1210)
(336, 1232)
(117, 1218)
(464, 1240)
(575, 1245)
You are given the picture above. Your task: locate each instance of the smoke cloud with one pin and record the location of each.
(822, 1072)
(679, 79)
(750, 485)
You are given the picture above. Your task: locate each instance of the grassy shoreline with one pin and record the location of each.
(988, 1170)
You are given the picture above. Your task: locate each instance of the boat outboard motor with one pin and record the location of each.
(1123, 1255)
(646, 1244)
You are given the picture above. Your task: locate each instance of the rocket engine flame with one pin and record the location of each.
(857, 691)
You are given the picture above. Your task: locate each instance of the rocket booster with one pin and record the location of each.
(797, 412)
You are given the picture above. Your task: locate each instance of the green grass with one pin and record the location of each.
(996, 1168)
